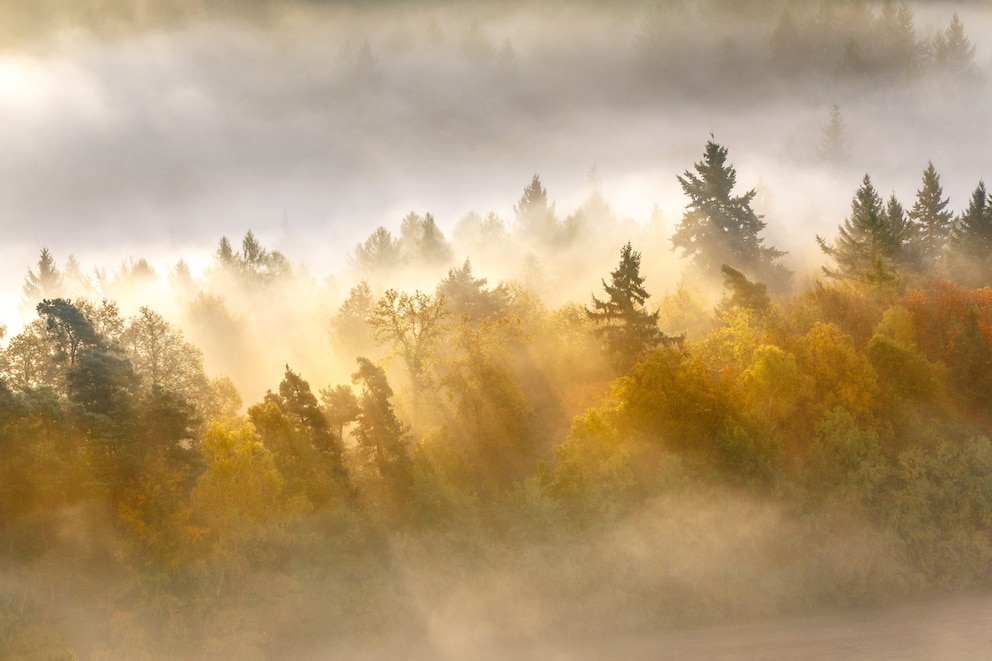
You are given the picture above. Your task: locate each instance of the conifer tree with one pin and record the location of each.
(971, 239)
(833, 141)
(866, 243)
(628, 330)
(931, 219)
(380, 435)
(953, 52)
(535, 216)
(901, 231)
(47, 283)
(718, 227)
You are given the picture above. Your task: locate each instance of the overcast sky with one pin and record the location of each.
(154, 138)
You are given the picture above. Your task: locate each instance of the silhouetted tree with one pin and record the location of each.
(422, 241)
(953, 52)
(379, 254)
(931, 220)
(46, 283)
(833, 141)
(466, 295)
(413, 325)
(340, 407)
(350, 327)
(866, 243)
(627, 329)
(719, 228)
(742, 292)
(382, 439)
(971, 239)
(535, 216)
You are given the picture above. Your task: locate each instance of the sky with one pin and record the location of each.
(148, 129)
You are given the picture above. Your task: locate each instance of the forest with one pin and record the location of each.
(447, 447)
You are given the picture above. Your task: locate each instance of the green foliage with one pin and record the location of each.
(943, 511)
(672, 399)
(627, 329)
(719, 228)
(869, 240)
(254, 266)
(845, 460)
(971, 240)
(931, 220)
(591, 475)
(743, 293)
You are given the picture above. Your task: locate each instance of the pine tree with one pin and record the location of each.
(931, 219)
(719, 228)
(380, 435)
(953, 52)
(47, 283)
(901, 231)
(971, 239)
(629, 331)
(866, 243)
(422, 241)
(833, 142)
(535, 216)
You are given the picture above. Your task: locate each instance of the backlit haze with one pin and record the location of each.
(132, 131)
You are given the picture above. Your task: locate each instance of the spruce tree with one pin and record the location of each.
(718, 227)
(931, 220)
(628, 330)
(833, 141)
(971, 240)
(867, 242)
(953, 52)
(535, 216)
(46, 283)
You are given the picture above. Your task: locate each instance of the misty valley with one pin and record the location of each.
(749, 419)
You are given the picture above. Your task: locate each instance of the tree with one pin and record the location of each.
(380, 253)
(422, 241)
(466, 295)
(744, 293)
(254, 265)
(163, 359)
(931, 220)
(866, 242)
(971, 239)
(46, 283)
(628, 330)
(895, 46)
(953, 52)
(833, 140)
(535, 217)
(413, 324)
(239, 502)
(902, 232)
(382, 439)
(719, 228)
(340, 407)
(307, 451)
(350, 326)
(69, 330)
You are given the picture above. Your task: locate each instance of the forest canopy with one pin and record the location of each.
(545, 417)
(476, 421)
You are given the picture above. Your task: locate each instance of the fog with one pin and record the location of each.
(131, 134)
(540, 517)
